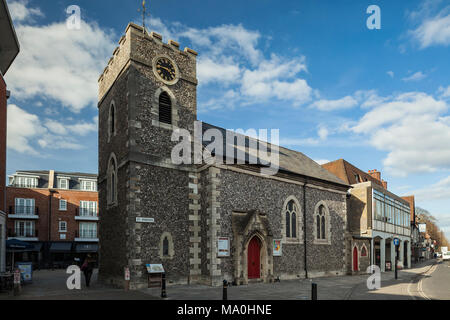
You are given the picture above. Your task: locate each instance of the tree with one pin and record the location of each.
(424, 216)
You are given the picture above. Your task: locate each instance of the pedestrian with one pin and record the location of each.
(88, 268)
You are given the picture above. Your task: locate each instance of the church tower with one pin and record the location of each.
(147, 90)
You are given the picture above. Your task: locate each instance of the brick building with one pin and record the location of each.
(205, 222)
(9, 48)
(375, 217)
(57, 212)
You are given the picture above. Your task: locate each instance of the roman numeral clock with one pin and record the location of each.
(166, 70)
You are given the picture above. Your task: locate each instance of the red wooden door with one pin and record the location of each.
(355, 259)
(253, 261)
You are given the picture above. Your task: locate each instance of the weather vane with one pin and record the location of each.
(143, 15)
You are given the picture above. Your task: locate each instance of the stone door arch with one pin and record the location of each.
(248, 226)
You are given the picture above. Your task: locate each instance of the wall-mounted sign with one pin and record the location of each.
(223, 247)
(154, 268)
(145, 220)
(277, 247)
(422, 227)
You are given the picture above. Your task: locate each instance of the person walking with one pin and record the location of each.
(88, 269)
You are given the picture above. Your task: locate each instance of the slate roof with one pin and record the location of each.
(290, 161)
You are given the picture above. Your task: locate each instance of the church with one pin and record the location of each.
(204, 222)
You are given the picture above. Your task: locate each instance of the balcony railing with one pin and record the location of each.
(24, 210)
(86, 234)
(23, 185)
(14, 233)
(84, 212)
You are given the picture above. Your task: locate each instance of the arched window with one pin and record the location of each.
(320, 220)
(321, 224)
(294, 225)
(363, 251)
(112, 180)
(165, 247)
(165, 108)
(166, 250)
(291, 219)
(288, 224)
(112, 121)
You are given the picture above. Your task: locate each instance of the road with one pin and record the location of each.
(436, 284)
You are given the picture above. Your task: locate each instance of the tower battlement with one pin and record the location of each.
(127, 50)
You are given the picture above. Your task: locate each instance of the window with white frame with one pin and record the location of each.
(25, 182)
(24, 206)
(62, 205)
(88, 230)
(88, 185)
(62, 226)
(24, 228)
(88, 208)
(63, 183)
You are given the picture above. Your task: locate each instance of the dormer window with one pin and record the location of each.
(63, 183)
(25, 182)
(88, 185)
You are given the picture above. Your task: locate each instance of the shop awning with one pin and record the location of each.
(37, 247)
(18, 245)
(61, 247)
(86, 247)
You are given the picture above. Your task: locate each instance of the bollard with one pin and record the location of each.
(313, 291)
(163, 286)
(225, 289)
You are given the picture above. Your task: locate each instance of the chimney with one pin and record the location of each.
(51, 179)
(384, 184)
(375, 174)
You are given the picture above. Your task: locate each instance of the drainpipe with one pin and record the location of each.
(304, 227)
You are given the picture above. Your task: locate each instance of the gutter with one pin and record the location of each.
(304, 228)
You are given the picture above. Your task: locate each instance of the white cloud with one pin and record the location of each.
(323, 133)
(22, 127)
(445, 92)
(413, 129)
(230, 59)
(20, 11)
(391, 74)
(437, 191)
(339, 104)
(60, 64)
(433, 29)
(212, 71)
(415, 77)
(322, 161)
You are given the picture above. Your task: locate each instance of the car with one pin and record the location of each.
(438, 255)
(446, 256)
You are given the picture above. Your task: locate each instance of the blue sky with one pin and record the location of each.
(377, 98)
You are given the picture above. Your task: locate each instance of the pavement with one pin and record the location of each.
(427, 280)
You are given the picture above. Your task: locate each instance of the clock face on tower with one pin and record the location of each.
(166, 70)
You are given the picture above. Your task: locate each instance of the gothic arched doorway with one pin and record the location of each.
(355, 259)
(254, 258)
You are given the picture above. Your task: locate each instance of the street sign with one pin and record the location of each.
(396, 241)
(145, 220)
